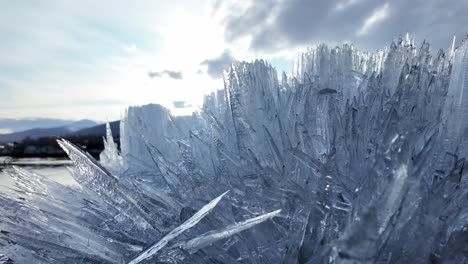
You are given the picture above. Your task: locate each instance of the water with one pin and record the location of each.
(53, 168)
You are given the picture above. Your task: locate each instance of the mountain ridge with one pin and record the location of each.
(13, 125)
(78, 128)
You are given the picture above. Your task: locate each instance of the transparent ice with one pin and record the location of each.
(355, 158)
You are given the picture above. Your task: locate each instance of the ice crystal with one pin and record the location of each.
(363, 153)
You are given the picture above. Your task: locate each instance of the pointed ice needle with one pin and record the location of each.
(192, 221)
(213, 236)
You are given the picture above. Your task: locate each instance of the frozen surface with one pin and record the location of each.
(355, 158)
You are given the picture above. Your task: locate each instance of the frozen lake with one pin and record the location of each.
(53, 168)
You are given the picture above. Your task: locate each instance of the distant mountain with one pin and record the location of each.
(16, 125)
(82, 124)
(35, 133)
(99, 130)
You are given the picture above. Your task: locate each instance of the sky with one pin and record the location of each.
(91, 59)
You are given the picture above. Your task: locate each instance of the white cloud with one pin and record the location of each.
(130, 48)
(345, 4)
(378, 16)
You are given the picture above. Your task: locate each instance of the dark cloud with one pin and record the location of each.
(181, 104)
(216, 65)
(305, 22)
(177, 75)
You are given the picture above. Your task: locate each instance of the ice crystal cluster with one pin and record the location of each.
(355, 158)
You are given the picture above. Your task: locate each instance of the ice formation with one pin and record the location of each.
(356, 158)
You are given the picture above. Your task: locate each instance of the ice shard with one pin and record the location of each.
(205, 210)
(213, 236)
(110, 156)
(365, 154)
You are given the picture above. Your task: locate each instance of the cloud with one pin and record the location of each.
(278, 25)
(130, 48)
(181, 104)
(344, 4)
(215, 66)
(379, 15)
(176, 75)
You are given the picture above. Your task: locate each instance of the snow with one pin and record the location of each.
(356, 158)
